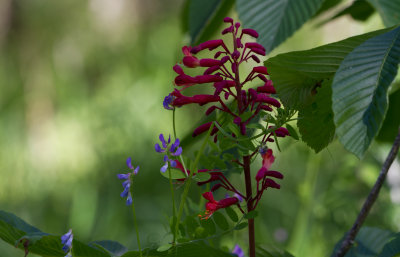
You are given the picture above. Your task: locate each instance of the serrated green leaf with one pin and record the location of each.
(392, 248)
(231, 214)
(359, 90)
(274, 20)
(297, 74)
(221, 221)
(315, 121)
(368, 242)
(389, 11)
(390, 126)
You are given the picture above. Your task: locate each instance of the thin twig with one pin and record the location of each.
(349, 240)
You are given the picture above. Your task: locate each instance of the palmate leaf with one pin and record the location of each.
(389, 11)
(274, 20)
(359, 90)
(298, 76)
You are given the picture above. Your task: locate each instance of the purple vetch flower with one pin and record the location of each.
(238, 251)
(168, 101)
(66, 240)
(170, 151)
(127, 183)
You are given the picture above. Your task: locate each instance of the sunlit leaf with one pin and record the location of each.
(359, 90)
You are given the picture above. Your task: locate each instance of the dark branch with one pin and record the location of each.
(350, 236)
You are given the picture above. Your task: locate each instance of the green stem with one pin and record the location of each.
(189, 180)
(173, 122)
(173, 203)
(136, 228)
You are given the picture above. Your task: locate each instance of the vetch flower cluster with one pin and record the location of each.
(128, 181)
(170, 151)
(66, 241)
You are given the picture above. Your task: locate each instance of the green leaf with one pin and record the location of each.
(251, 215)
(163, 248)
(359, 10)
(368, 242)
(389, 10)
(315, 121)
(292, 132)
(202, 176)
(221, 221)
(390, 126)
(296, 75)
(271, 251)
(231, 214)
(392, 248)
(192, 249)
(241, 226)
(275, 21)
(209, 225)
(359, 90)
(205, 17)
(175, 174)
(112, 247)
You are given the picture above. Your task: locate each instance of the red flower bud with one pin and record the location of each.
(191, 61)
(210, 70)
(270, 183)
(258, 51)
(185, 80)
(210, 110)
(227, 202)
(208, 79)
(261, 98)
(178, 69)
(250, 32)
(228, 20)
(260, 173)
(211, 44)
(267, 88)
(266, 108)
(186, 50)
(203, 128)
(261, 69)
(255, 58)
(209, 62)
(227, 30)
(253, 45)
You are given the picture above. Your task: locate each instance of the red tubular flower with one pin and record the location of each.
(198, 99)
(211, 70)
(268, 158)
(209, 62)
(208, 79)
(261, 98)
(261, 69)
(253, 45)
(212, 205)
(270, 183)
(281, 132)
(228, 20)
(267, 88)
(185, 80)
(191, 61)
(211, 44)
(203, 128)
(178, 69)
(250, 32)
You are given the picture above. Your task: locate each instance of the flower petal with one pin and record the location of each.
(129, 163)
(164, 168)
(178, 152)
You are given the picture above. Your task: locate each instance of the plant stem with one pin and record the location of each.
(373, 195)
(173, 204)
(189, 179)
(247, 178)
(136, 228)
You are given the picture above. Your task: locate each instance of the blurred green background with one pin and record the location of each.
(81, 89)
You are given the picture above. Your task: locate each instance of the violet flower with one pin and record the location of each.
(127, 183)
(66, 240)
(170, 151)
(238, 251)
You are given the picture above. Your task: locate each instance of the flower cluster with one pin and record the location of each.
(66, 240)
(223, 72)
(170, 151)
(128, 181)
